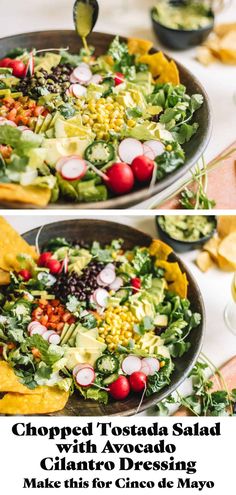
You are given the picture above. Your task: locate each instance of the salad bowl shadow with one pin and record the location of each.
(193, 149)
(86, 230)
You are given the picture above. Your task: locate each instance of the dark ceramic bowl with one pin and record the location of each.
(193, 150)
(90, 230)
(184, 246)
(181, 39)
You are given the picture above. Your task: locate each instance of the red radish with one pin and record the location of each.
(5, 62)
(79, 367)
(117, 284)
(96, 79)
(156, 146)
(25, 274)
(136, 284)
(82, 73)
(131, 364)
(145, 369)
(148, 152)
(142, 168)
(100, 282)
(129, 148)
(73, 79)
(18, 68)
(44, 258)
(74, 168)
(85, 377)
(152, 363)
(33, 324)
(100, 297)
(107, 276)
(47, 334)
(138, 381)
(78, 90)
(8, 122)
(53, 265)
(36, 325)
(120, 388)
(119, 78)
(120, 178)
(60, 163)
(39, 330)
(54, 338)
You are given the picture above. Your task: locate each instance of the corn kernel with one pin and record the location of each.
(169, 147)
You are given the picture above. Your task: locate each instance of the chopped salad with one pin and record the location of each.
(84, 128)
(99, 321)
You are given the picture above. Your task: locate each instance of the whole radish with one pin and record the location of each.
(120, 178)
(120, 388)
(138, 381)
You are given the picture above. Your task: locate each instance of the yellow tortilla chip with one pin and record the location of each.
(9, 382)
(156, 62)
(211, 247)
(226, 224)
(169, 74)
(160, 249)
(137, 46)
(205, 56)
(204, 261)
(4, 277)
(32, 195)
(177, 281)
(50, 400)
(223, 29)
(12, 244)
(227, 252)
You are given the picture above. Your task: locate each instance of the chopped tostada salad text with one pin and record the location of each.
(101, 321)
(82, 128)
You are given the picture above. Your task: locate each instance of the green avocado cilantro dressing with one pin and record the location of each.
(187, 228)
(188, 16)
(84, 19)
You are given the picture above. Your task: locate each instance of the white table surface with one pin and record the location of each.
(219, 343)
(131, 17)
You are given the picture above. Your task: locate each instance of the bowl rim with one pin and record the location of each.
(152, 400)
(185, 242)
(194, 31)
(145, 193)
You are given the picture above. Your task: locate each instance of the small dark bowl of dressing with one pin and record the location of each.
(179, 24)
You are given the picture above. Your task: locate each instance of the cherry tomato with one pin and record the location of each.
(18, 68)
(137, 381)
(136, 284)
(43, 258)
(53, 265)
(121, 178)
(119, 78)
(25, 274)
(120, 388)
(142, 168)
(5, 62)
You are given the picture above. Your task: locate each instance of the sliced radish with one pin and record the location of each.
(96, 79)
(39, 330)
(85, 377)
(129, 149)
(107, 276)
(156, 146)
(100, 297)
(79, 367)
(110, 265)
(74, 168)
(131, 364)
(8, 122)
(145, 369)
(23, 128)
(92, 300)
(99, 281)
(48, 334)
(33, 324)
(61, 162)
(73, 79)
(152, 363)
(54, 338)
(83, 74)
(78, 90)
(148, 152)
(117, 284)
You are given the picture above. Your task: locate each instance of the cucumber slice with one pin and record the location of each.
(100, 153)
(123, 295)
(107, 364)
(110, 379)
(64, 330)
(107, 85)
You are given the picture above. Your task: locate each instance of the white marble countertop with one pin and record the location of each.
(131, 17)
(219, 343)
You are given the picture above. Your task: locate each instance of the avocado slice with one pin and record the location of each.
(46, 123)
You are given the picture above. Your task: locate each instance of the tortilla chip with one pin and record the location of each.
(223, 29)
(137, 46)
(226, 224)
(9, 382)
(211, 247)
(11, 244)
(50, 400)
(227, 252)
(4, 277)
(205, 56)
(170, 74)
(177, 281)
(227, 56)
(32, 195)
(156, 62)
(204, 261)
(160, 249)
